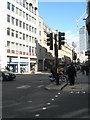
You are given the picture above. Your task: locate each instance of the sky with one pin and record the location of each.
(62, 16)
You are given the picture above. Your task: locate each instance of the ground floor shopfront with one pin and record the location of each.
(20, 65)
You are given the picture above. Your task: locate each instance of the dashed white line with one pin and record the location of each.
(37, 115)
(44, 108)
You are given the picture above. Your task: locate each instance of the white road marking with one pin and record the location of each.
(40, 86)
(71, 92)
(52, 99)
(83, 92)
(77, 92)
(29, 101)
(56, 95)
(44, 108)
(48, 103)
(23, 86)
(37, 115)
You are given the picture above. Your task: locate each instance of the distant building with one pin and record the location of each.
(83, 42)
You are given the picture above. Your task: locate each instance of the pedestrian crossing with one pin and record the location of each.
(77, 92)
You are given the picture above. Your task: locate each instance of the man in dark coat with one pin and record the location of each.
(71, 74)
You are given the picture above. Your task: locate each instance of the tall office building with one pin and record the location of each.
(83, 41)
(19, 34)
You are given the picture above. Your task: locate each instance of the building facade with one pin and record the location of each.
(83, 43)
(21, 34)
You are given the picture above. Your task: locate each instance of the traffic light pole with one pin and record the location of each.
(56, 60)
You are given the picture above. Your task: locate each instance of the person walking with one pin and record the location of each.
(71, 72)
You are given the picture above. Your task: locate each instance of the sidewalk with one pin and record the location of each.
(81, 82)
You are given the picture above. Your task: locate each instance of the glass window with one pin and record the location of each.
(23, 36)
(13, 20)
(26, 26)
(26, 5)
(12, 33)
(29, 27)
(16, 10)
(29, 48)
(20, 23)
(13, 8)
(26, 16)
(8, 31)
(27, 38)
(8, 5)
(16, 22)
(29, 18)
(8, 18)
(8, 44)
(23, 25)
(16, 34)
(23, 14)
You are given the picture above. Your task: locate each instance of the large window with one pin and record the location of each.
(16, 22)
(8, 31)
(8, 18)
(8, 5)
(12, 8)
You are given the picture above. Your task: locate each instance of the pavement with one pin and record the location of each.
(81, 83)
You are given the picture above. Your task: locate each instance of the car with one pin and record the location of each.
(7, 75)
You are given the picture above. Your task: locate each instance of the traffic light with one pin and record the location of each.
(50, 40)
(61, 39)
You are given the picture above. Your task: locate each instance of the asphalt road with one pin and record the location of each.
(26, 97)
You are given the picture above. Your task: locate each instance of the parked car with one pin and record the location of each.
(7, 75)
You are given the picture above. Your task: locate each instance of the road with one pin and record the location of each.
(26, 97)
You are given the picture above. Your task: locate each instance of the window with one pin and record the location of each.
(20, 23)
(29, 18)
(26, 16)
(23, 14)
(16, 34)
(27, 38)
(26, 26)
(8, 44)
(20, 35)
(29, 27)
(13, 20)
(8, 18)
(12, 33)
(30, 49)
(12, 8)
(16, 22)
(16, 10)
(23, 36)
(8, 31)
(20, 12)
(23, 25)
(8, 5)
(26, 5)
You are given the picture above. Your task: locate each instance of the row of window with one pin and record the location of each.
(21, 24)
(20, 47)
(20, 35)
(25, 5)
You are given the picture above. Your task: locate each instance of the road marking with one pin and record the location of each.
(40, 86)
(77, 92)
(37, 115)
(23, 86)
(71, 92)
(52, 99)
(48, 103)
(44, 108)
(83, 92)
(56, 95)
(29, 101)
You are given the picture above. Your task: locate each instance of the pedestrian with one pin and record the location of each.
(87, 70)
(83, 69)
(8, 68)
(71, 72)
